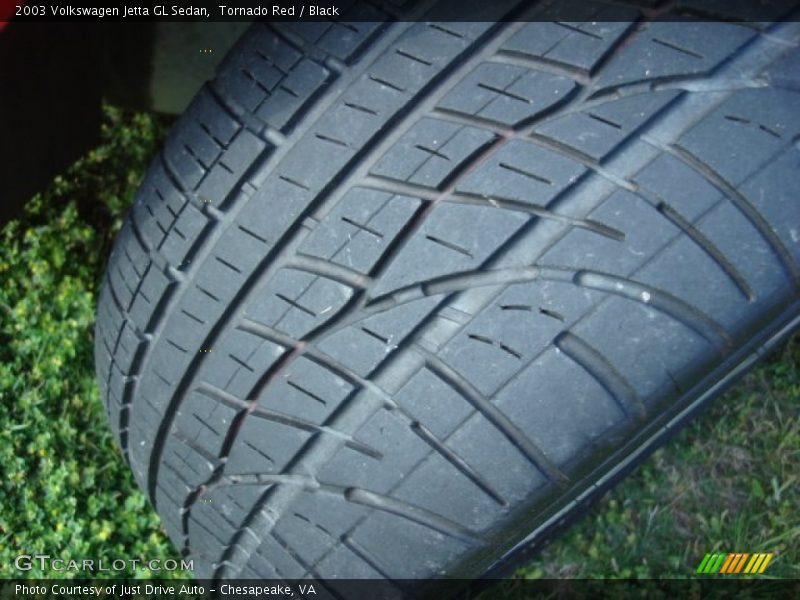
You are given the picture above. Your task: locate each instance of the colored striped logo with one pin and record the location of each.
(732, 563)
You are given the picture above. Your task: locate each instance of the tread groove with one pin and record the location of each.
(503, 424)
(709, 248)
(412, 513)
(459, 463)
(678, 48)
(660, 300)
(742, 203)
(603, 372)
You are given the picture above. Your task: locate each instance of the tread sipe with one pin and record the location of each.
(397, 294)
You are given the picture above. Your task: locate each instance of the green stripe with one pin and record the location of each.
(712, 561)
(718, 565)
(703, 564)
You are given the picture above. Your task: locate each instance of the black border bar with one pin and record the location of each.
(208, 11)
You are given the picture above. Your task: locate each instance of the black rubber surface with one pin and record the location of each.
(393, 295)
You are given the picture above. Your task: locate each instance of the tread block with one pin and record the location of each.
(654, 377)
(695, 195)
(251, 72)
(417, 540)
(196, 468)
(307, 391)
(239, 360)
(361, 227)
(358, 349)
(128, 346)
(205, 422)
(264, 446)
(346, 41)
(268, 215)
(393, 326)
(580, 249)
(350, 125)
(498, 343)
(310, 540)
(430, 151)
(576, 417)
(280, 108)
(174, 487)
(222, 177)
(667, 49)
(762, 121)
(283, 298)
(201, 139)
(372, 340)
(580, 45)
(785, 73)
(239, 250)
(444, 245)
(315, 305)
(233, 501)
(382, 432)
(187, 229)
(342, 39)
(154, 286)
(725, 227)
(506, 94)
(517, 480)
(326, 512)
(601, 130)
(210, 529)
(402, 71)
(275, 556)
(705, 286)
(150, 214)
(429, 400)
(436, 478)
(218, 279)
(198, 300)
(774, 195)
(522, 171)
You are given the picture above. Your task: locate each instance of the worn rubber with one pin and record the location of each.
(397, 297)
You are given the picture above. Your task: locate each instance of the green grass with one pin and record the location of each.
(727, 483)
(65, 489)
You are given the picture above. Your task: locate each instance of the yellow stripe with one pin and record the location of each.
(766, 562)
(756, 566)
(753, 562)
(741, 562)
(724, 568)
